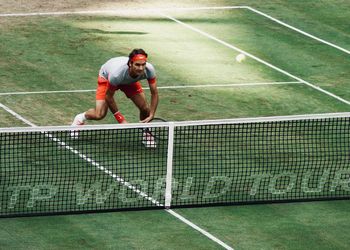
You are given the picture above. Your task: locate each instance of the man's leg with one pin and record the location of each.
(135, 93)
(141, 103)
(100, 110)
(97, 113)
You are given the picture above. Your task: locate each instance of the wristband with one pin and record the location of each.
(119, 117)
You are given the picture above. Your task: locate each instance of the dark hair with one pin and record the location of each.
(135, 52)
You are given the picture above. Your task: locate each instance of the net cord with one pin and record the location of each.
(178, 124)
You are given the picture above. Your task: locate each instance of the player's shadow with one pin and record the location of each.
(115, 32)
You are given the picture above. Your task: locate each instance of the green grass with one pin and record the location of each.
(316, 225)
(133, 230)
(9, 120)
(71, 61)
(308, 59)
(65, 53)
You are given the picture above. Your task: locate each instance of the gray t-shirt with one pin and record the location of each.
(116, 71)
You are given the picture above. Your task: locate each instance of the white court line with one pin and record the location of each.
(255, 58)
(19, 117)
(203, 33)
(180, 217)
(119, 179)
(299, 30)
(159, 87)
(150, 10)
(117, 11)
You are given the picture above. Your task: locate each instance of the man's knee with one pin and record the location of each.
(100, 114)
(96, 114)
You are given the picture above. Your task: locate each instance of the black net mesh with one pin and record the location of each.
(262, 162)
(112, 169)
(100, 170)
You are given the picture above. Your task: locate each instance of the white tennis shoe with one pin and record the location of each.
(148, 140)
(78, 121)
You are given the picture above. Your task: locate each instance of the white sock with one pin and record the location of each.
(83, 116)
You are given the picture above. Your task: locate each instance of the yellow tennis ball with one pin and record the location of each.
(240, 58)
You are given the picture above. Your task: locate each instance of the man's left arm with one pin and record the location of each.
(154, 101)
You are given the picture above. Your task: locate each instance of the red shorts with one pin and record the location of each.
(129, 89)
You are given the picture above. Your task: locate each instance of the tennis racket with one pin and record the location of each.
(159, 133)
(153, 136)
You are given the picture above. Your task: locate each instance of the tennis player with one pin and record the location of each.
(125, 74)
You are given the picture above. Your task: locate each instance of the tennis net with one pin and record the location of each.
(199, 163)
